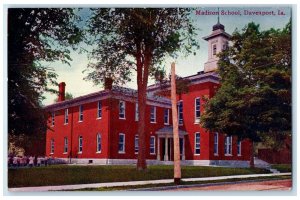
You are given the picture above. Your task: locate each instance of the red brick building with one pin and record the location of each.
(102, 127)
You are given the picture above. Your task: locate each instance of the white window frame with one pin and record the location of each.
(136, 144)
(98, 143)
(168, 113)
(197, 119)
(136, 116)
(239, 147)
(80, 112)
(52, 146)
(122, 102)
(195, 151)
(80, 144)
(153, 120)
(66, 145)
(180, 123)
(99, 110)
(121, 152)
(66, 116)
(228, 146)
(52, 118)
(216, 143)
(152, 146)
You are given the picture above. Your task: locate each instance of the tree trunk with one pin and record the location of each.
(141, 162)
(177, 169)
(142, 81)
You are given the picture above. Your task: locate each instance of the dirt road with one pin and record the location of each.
(250, 186)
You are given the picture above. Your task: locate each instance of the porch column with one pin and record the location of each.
(166, 157)
(158, 148)
(183, 149)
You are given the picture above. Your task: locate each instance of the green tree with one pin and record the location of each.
(35, 35)
(137, 39)
(254, 99)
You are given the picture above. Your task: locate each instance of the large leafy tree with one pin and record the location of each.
(254, 99)
(137, 39)
(35, 35)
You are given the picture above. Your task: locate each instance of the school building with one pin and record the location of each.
(101, 127)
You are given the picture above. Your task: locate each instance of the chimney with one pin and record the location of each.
(108, 82)
(61, 92)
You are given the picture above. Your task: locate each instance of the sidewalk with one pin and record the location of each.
(113, 184)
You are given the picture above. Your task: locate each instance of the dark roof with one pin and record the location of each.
(218, 26)
(133, 93)
(115, 91)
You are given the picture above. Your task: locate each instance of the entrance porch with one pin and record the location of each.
(165, 148)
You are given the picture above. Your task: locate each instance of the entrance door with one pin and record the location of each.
(170, 150)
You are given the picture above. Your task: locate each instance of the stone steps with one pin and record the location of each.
(264, 165)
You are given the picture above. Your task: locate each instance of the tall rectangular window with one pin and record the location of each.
(239, 148)
(80, 144)
(98, 143)
(99, 110)
(136, 144)
(180, 112)
(122, 110)
(52, 146)
(153, 114)
(80, 113)
(228, 145)
(52, 118)
(216, 143)
(66, 116)
(197, 110)
(65, 145)
(214, 49)
(121, 143)
(136, 112)
(152, 145)
(197, 143)
(166, 116)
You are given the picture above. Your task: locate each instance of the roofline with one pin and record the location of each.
(224, 34)
(104, 94)
(196, 78)
(101, 95)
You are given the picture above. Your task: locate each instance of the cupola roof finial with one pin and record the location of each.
(218, 25)
(218, 15)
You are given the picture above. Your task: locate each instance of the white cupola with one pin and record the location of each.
(217, 41)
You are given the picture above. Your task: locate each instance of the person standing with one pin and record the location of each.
(31, 163)
(39, 161)
(15, 161)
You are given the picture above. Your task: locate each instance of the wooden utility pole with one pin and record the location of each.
(177, 169)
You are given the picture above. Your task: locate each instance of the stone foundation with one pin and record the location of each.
(92, 161)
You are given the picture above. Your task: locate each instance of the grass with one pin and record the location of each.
(282, 167)
(183, 183)
(69, 174)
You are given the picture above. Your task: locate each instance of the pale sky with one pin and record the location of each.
(73, 76)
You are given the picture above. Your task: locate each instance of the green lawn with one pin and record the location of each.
(66, 174)
(282, 167)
